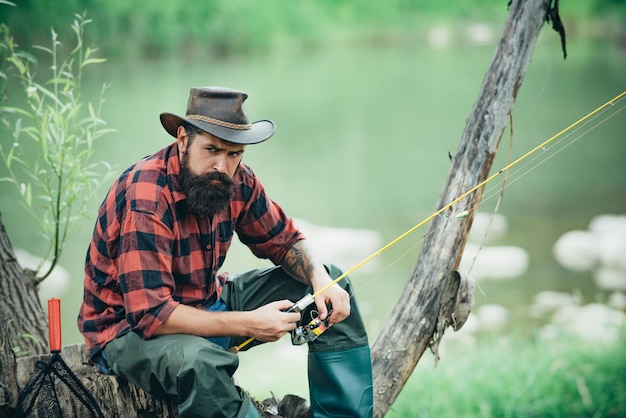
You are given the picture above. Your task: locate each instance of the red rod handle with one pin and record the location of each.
(54, 324)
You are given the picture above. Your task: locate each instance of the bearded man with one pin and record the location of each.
(158, 312)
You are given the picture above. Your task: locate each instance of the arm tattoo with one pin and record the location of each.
(300, 262)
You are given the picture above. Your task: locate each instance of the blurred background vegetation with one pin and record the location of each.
(150, 29)
(369, 98)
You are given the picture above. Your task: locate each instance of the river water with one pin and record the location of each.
(362, 143)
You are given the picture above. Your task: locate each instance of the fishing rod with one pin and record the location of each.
(307, 300)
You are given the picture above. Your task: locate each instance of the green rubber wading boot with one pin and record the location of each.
(252, 411)
(340, 383)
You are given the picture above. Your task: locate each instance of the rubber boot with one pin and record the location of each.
(252, 411)
(340, 383)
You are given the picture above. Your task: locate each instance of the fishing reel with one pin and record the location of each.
(309, 332)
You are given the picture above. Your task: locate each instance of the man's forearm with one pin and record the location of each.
(302, 263)
(190, 320)
(267, 323)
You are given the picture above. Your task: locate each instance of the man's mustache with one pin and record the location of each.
(211, 177)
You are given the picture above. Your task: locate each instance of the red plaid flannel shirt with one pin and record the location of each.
(148, 254)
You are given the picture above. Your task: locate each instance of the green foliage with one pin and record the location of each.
(615, 9)
(52, 136)
(511, 377)
(152, 28)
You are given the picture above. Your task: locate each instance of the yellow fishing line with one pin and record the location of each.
(458, 199)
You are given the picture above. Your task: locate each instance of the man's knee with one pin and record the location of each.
(205, 358)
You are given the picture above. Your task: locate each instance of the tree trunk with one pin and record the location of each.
(8, 374)
(426, 308)
(415, 323)
(26, 320)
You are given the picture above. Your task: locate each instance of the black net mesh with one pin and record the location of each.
(55, 391)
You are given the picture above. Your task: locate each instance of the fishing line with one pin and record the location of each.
(554, 152)
(524, 169)
(518, 174)
(500, 192)
(500, 198)
(500, 189)
(310, 298)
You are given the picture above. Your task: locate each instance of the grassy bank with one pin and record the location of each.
(510, 377)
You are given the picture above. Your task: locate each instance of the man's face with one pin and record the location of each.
(208, 166)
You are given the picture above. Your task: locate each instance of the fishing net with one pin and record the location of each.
(54, 391)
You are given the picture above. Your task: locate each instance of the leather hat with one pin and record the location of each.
(220, 112)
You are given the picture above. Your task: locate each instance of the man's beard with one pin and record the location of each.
(207, 194)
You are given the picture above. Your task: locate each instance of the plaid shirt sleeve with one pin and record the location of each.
(262, 224)
(144, 267)
(128, 276)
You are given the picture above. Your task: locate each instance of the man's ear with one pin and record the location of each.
(182, 138)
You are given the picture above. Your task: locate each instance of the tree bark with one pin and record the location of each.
(8, 374)
(414, 323)
(434, 298)
(26, 320)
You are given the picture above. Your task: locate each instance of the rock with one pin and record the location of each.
(344, 247)
(497, 262)
(493, 317)
(577, 250)
(489, 225)
(548, 302)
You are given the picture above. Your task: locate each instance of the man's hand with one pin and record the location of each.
(338, 298)
(269, 322)
(302, 264)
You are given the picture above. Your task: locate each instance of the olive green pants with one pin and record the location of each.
(199, 372)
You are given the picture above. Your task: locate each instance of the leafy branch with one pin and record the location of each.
(53, 136)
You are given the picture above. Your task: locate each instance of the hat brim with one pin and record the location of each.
(258, 132)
